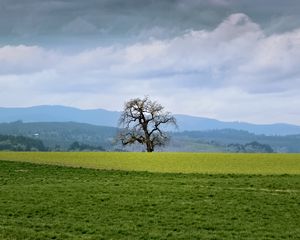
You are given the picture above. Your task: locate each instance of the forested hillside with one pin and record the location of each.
(60, 136)
(20, 143)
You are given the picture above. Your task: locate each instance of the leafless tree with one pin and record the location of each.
(142, 122)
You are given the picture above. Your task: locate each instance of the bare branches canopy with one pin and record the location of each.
(142, 121)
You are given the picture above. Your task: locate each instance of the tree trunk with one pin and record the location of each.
(149, 146)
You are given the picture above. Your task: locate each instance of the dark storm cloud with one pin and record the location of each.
(58, 21)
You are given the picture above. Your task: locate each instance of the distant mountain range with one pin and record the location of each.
(103, 117)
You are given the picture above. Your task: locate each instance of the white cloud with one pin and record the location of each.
(25, 59)
(233, 72)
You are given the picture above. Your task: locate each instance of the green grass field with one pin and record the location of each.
(167, 162)
(155, 196)
(53, 202)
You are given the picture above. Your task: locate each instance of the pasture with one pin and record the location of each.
(221, 163)
(208, 201)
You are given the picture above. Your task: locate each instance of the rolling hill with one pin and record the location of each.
(60, 135)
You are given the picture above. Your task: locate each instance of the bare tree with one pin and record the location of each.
(142, 122)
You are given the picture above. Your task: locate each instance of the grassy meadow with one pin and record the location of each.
(149, 196)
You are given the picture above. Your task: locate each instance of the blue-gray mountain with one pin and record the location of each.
(103, 117)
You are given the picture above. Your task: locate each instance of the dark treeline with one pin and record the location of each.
(76, 146)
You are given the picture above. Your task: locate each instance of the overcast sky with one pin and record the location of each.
(234, 60)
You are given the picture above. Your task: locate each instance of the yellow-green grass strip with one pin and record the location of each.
(224, 163)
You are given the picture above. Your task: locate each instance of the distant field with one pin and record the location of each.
(52, 202)
(223, 163)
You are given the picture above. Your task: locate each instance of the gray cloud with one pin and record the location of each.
(79, 26)
(233, 71)
(229, 59)
(236, 51)
(62, 22)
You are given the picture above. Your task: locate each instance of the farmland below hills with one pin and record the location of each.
(103, 117)
(60, 136)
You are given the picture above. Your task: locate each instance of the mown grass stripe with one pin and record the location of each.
(167, 162)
